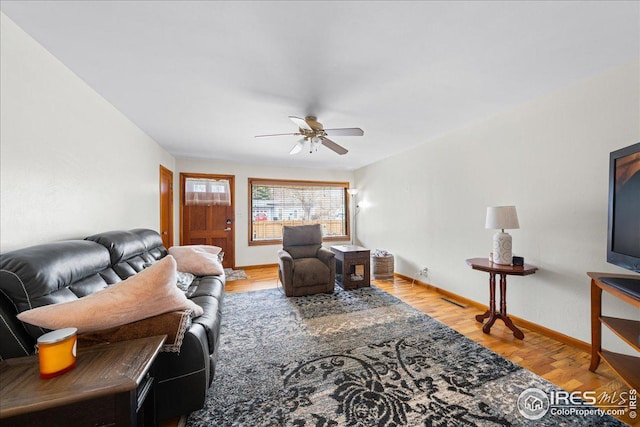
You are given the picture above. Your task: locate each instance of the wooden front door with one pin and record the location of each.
(209, 225)
(166, 206)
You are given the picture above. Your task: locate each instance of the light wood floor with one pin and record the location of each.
(561, 364)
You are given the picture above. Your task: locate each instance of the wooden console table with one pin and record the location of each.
(111, 384)
(352, 266)
(626, 367)
(483, 264)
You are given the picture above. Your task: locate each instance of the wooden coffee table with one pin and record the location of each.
(111, 384)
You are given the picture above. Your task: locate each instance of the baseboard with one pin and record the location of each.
(249, 267)
(566, 339)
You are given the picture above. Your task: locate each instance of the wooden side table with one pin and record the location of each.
(352, 266)
(112, 384)
(483, 264)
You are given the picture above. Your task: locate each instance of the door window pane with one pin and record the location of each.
(207, 192)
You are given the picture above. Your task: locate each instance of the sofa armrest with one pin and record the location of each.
(183, 378)
(329, 258)
(14, 339)
(326, 256)
(285, 269)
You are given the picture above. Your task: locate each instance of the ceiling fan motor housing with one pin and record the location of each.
(313, 122)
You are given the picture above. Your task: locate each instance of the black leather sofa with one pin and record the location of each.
(67, 270)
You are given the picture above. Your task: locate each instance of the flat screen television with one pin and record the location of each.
(623, 240)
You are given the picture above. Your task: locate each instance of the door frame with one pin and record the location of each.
(168, 172)
(231, 179)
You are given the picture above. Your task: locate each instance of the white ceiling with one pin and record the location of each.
(202, 78)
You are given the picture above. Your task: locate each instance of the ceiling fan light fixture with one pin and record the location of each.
(298, 147)
(313, 131)
(314, 141)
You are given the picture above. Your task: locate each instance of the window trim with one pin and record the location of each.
(267, 181)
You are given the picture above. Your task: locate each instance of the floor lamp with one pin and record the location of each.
(353, 193)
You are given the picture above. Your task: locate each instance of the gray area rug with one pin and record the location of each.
(231, 274)
(359, 358)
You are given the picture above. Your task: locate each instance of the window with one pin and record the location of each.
(207, 192)
(275, 203)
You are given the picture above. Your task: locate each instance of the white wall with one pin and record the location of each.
(250, 255)
(550, 159)
(71, 164)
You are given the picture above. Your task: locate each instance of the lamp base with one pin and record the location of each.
(502, 248)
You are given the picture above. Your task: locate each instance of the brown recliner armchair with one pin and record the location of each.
(304, 266)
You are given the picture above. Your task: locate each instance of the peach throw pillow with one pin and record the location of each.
(213, 250)
(151, 292)
(200, 260)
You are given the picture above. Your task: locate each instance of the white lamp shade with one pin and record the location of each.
(501, 217)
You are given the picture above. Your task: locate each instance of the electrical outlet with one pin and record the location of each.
(423, 271)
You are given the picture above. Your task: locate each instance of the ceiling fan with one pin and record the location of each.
(312, 131)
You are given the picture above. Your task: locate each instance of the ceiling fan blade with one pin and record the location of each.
(278, 134)
(333, 146)
(344, 132)
(300, 123)
(298, 147)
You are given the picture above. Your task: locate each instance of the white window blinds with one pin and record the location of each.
(276, 203)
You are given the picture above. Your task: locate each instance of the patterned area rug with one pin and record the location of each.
(232, 274)
(359, 358)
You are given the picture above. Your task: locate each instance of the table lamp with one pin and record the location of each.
(501, 218)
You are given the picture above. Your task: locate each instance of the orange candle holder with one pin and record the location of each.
(57, 352)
